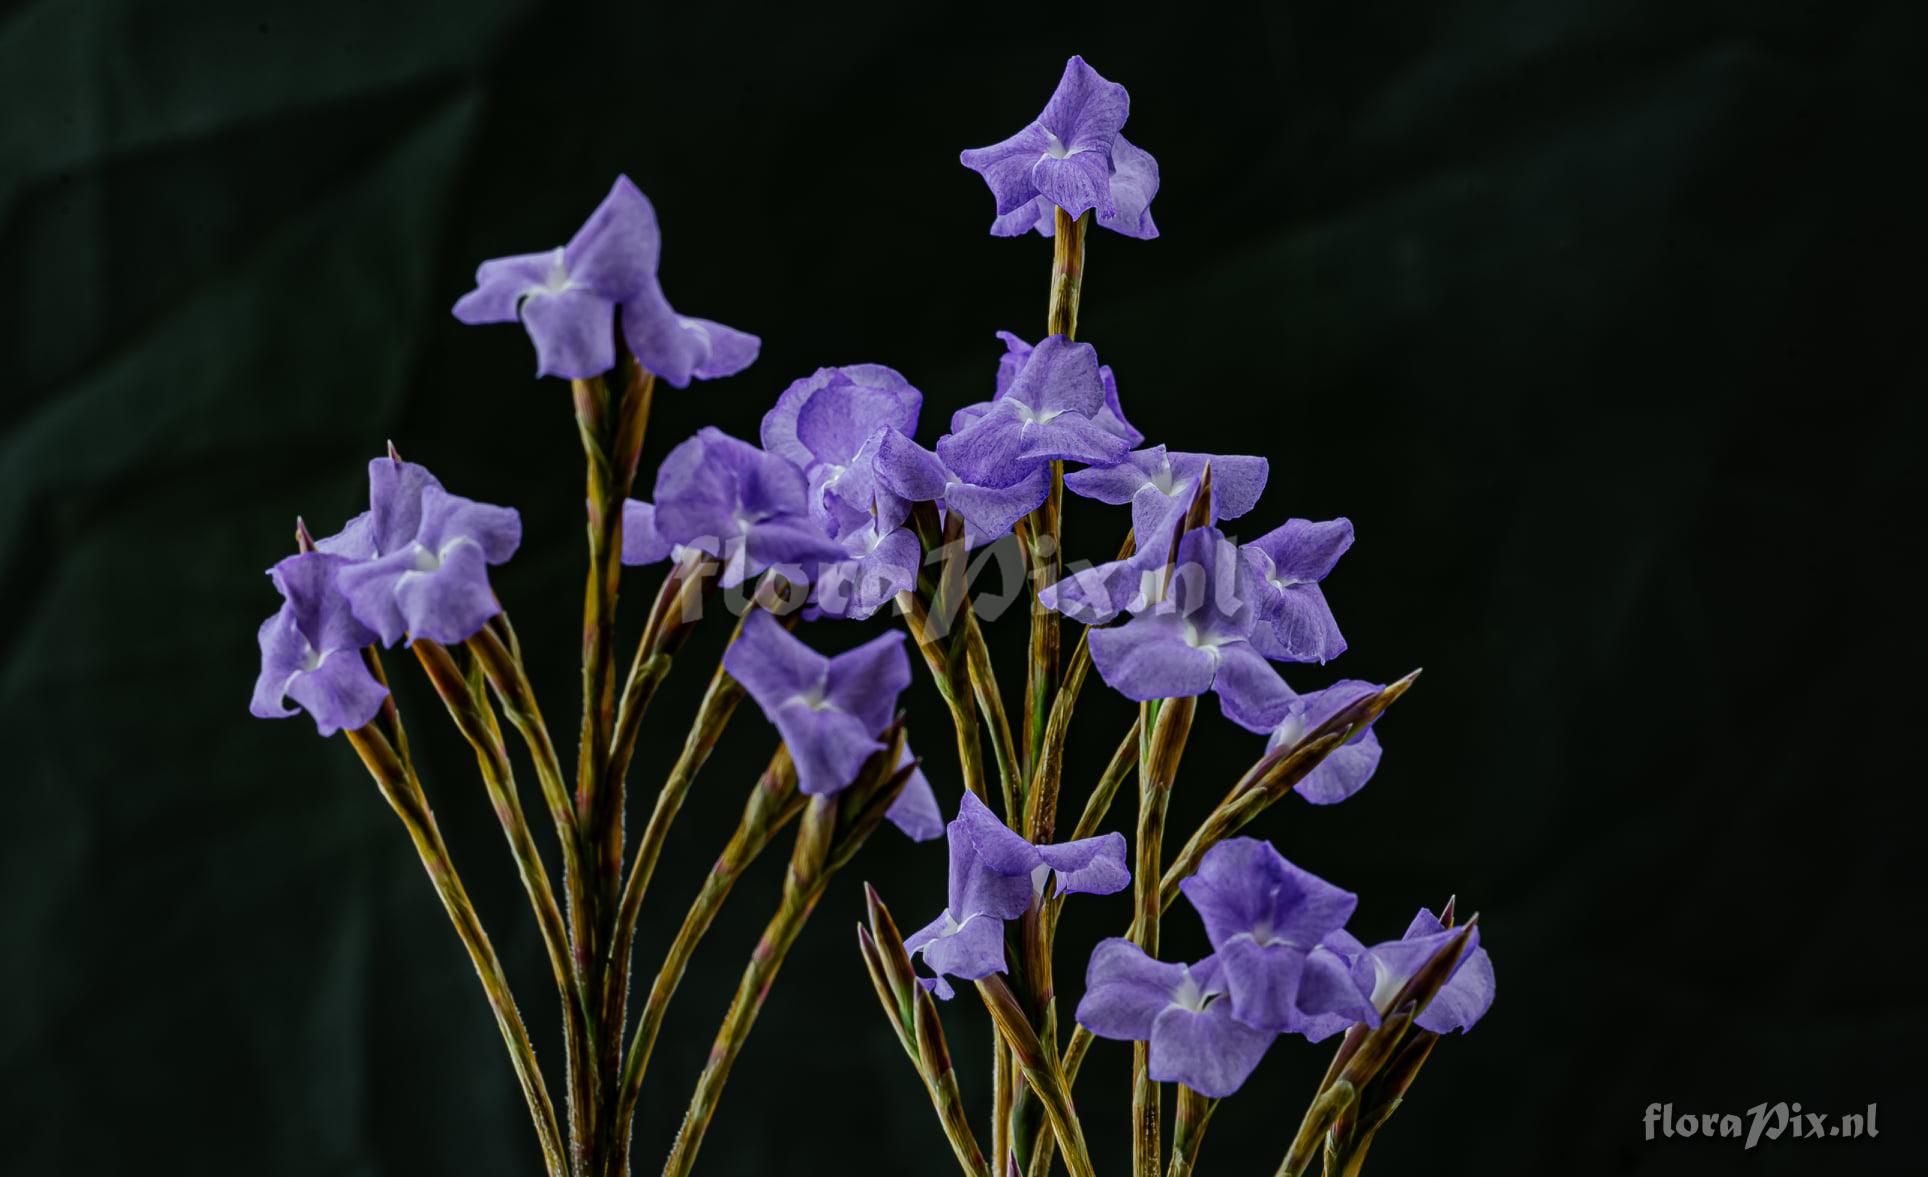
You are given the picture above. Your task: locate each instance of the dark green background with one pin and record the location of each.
(1601, 319)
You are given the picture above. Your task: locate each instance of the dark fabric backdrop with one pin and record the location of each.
(1600, 318)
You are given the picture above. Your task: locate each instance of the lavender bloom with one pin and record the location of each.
(915, 811)
(1134, 181)
(828, 709)
(311, 650)
(1196, 638)
(1287, 565)
(1266, 919)
(419, 556)
(1346, 768)
(1072, 156)
(1159, 485)
(1044, 414)
(1183, 1012)
(1384, 968)
(566, 298)
(1109, 416)
(881, 564)
(995, 874)
(827, 424)
(725, 497)
(915, 474)
(642, 543)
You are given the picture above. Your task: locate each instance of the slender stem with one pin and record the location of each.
(1067, 273)
(950, 687)
(403, 792)
(934, 1063)
(1040, 536)
(1002, 1081)
(1041, 1071)
(990, 702)
(1188, 1129)
(468, 705)
(803, 886)
(772, 804)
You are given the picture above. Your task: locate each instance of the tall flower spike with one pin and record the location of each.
(566, 299)
(311, 650)
(994, 876)
(1073, 157)
(1196, 638)
(1265, 918)
(1182, 1011)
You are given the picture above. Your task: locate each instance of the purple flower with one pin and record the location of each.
(917, 475)
(915, 811)
(881, 564)
(1109, 416)
(1044, 414)
(1346, 768)
(419, 556)
(995, 875)
(1072, 156)
(1287, 565)
(311, 650)
(827, 423)
(566, 298)
(1134, 181)
(1384, 968)
(1266, 919)
(1159, 485)
(1196, 638)
(728, 498)
(828, 710)
(642, 543)
(1182, 1011)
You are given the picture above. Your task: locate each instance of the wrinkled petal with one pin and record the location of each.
(1303, 624)
(1262, 981)
(910, 470)
(835, 420)
(991, 511)
(1303, 550)
(340, 694)
(1059, 376)
(1086, 110)
(395, 492)
(662, 340)
(1464, 999)
(1006, 166)
(495, 531)
(1076, 183)
(1040, 215)
(725, 351)
(1210, 1052)
(1090, 866)
(1126, 990)
(450, 604)
(997, 846)
(1134, 181)
(975, 949)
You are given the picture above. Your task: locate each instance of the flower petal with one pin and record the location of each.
(1210, 1052)
(1126, 990)
(572, 330)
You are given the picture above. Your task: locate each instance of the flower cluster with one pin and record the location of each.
(1281, 962)
(415, 564)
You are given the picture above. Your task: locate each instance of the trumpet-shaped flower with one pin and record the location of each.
(567, 299)
(1265, 919)
(1196, 638)
(311, 650)
(1346, 768)
(719, 495)
(1287, 565)
(1044, 414)
(1072, 157)
(995, 874)
(829, 710)
(1182, 1011)
(419, 556)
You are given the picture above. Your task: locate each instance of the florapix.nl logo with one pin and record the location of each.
(1763, 1121)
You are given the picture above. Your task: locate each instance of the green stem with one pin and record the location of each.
(1188, 1129)
(403, 792)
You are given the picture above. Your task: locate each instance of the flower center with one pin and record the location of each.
(1190, 995)
(1054, 147)
(558, 279)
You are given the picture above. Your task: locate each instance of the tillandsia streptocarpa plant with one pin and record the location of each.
(838, 512)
